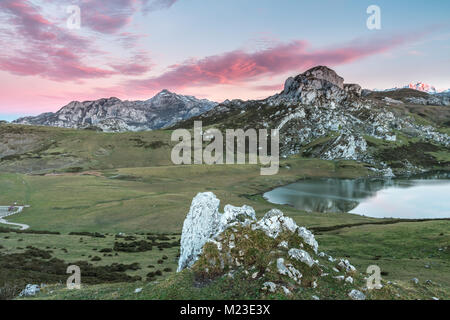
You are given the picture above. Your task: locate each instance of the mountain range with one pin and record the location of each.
(320, 116)
(114, 115)
(419, 86)
(166, 109)
(317, 114)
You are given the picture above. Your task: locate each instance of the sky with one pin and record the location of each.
(214, 49)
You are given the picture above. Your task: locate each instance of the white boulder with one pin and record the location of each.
(302, 256)
(201, 224)
(357, 295)
(274, 222)
(345, 265)
(270, 286)
(30, 290)
(204, 222)
(308, 237)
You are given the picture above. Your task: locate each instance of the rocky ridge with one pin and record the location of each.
(274, 250)
(317, 105)
(114, 115)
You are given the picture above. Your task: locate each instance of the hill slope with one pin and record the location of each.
(321, 117)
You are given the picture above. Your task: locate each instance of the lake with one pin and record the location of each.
(419, 197)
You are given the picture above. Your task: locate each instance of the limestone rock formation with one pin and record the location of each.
(204, 222)
(273, 250)
(114, 115)
(320, 116)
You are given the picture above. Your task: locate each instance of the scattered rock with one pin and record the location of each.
(349, 279)
(30, 290)
(274, 222)
(308, 237)
(392, 101)
(301, 255)
(288, 270)
(340, 278)
(283, 244)
(344, 265)
(270, 286)
(357, 295)
(286, 291)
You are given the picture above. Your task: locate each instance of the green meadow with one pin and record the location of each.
(86, 181)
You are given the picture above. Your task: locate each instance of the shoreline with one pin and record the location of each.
(381, 220)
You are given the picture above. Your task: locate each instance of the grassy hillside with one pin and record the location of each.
(30, 149)
(87, 181)
(403, 251)
(154, 199)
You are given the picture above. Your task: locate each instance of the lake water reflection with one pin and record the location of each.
(425, 196)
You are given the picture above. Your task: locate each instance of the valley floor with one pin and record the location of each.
(149, 204)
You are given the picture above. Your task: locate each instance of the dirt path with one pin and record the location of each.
(5, 213)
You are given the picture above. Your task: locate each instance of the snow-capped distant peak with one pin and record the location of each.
(420, 86)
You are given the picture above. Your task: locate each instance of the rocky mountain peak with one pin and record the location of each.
(320, 116)
(114, 115)
(324, 73)
(316, 85)
(164, 92)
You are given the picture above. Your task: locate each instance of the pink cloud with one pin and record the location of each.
(26, 16)
(107, 16)
(139, 64)
(111, 16)
(269, 87)
(42, 48)
(158, 5)
(237, 67)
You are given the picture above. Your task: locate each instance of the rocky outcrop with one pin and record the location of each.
(320, 116)
(324, 73)
(316, 85)
(30, 290)
(345, 146)
(356, 295)
(204, 222)
(115, 115)
(431, 100)
(353, 88)
(274, 250)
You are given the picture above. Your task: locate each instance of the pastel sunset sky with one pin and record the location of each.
(214, 49)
